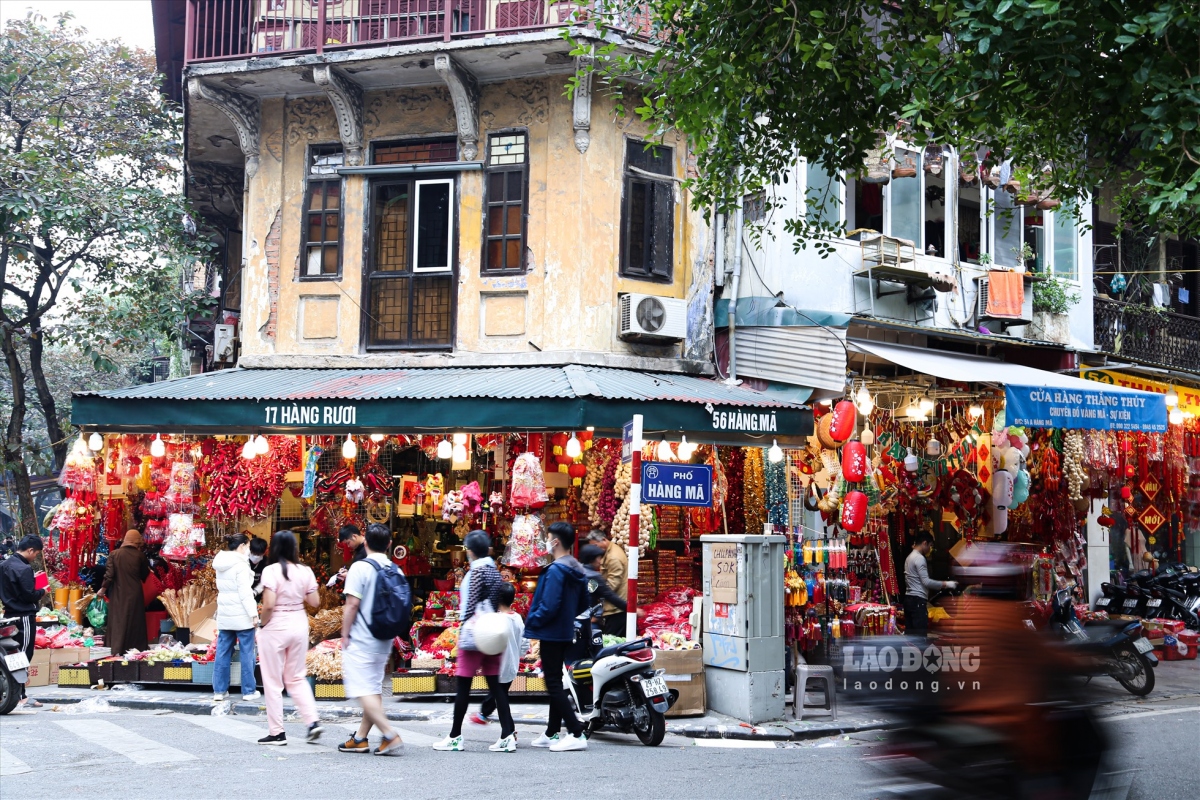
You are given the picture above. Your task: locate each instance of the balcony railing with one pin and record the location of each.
(234, 29)
(1141, 333)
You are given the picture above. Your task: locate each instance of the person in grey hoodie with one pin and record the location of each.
(237, 616)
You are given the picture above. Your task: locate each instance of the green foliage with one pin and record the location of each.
(92, 246)
(1096, 91)
(1052, 296)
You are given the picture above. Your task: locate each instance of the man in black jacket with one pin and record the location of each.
(19, 597)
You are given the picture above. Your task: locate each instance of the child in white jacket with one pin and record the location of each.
(517, 647)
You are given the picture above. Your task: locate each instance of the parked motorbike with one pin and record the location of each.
(1170, 592)
(14, 666)
(1115, 649)
(619, 687)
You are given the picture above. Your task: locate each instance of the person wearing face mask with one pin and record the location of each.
(258, 562)
(237, 616)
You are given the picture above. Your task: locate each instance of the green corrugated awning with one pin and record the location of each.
(434, 400)
(765, 312)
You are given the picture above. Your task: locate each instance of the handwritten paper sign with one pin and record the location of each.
(725, 572)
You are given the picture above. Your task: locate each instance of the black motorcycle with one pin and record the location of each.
(14, 666)
(1113, 648)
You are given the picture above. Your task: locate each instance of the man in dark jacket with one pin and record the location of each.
(599, 590)
(19, 597)
(561, 594)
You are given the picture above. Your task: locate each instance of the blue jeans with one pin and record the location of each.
(224, 659)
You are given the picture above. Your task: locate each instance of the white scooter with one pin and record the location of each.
(619, 687)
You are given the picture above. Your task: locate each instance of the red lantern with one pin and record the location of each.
(577, 473)
(563, 462)
(559, 440)
(844, 418)
(854, 511)
(585, 438)
(1126, 493)
(854, 461)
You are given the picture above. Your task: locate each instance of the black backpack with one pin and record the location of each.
(391, 610)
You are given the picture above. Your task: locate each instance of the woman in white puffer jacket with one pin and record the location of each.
(237, 616)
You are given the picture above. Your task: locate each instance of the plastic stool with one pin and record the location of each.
(814, 672)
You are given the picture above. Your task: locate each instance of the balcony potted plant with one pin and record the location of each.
(1051, 302)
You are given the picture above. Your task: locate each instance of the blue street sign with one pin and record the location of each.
(627, 442)
(676, 484)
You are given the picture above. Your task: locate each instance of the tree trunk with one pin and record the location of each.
(27, 520)
(58, 439)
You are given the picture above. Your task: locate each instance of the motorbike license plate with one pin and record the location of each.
(654, 687)
(1143, 645)
(1131, 602)
(1103, 601)
(1154, 603)
(17, 661)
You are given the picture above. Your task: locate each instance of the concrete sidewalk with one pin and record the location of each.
(1175, 680)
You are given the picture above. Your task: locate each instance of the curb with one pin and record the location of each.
(205, 707)
(775, 734)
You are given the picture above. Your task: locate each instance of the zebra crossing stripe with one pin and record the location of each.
(137, 749)
(247, 732)
(11, 765)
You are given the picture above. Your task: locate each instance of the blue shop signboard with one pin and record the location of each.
(1053, 407)
(666, 484)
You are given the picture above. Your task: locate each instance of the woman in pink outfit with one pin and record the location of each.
(283, 639)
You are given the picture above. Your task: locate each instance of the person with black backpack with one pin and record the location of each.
(378, 607)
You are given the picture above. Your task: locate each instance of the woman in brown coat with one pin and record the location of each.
(127, 568)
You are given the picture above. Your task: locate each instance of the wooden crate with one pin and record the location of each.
(118, 671)
(414, 682)
(329, 690)
(150, 672)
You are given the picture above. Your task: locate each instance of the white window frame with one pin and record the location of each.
(416, 257)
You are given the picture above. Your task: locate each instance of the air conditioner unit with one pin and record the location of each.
(649, 318)
(224, 337)
(982, 301)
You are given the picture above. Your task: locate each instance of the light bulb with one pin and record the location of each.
(927, 405)
(349, 448)
(1172, 398)
(458, 453)
(574, 448)
(775, 453)
(1176, 416)
(249, 451)
(158, 447)
(913, 412)
(685, 449)
(377, 437)
(261, 445)
(868, 437)
(864, 402)
(445, 449)
(976, 411)
(460, 438)
(95, 442)
(664, 451)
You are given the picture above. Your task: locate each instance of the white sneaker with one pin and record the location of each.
(453, 744)
(252, 696)
(506, 745)
(545, 741)
(568, 743)
(218, 697)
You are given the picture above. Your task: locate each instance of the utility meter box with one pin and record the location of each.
(743, 624)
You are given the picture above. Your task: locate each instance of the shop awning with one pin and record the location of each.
(433, 400)
(1035, 397)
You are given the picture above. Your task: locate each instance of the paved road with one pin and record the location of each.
(81, 749)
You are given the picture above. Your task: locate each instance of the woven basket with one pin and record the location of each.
(518, 685)
(414, 682)
(329, 690)
(77, 675)
(177, 673)
(535, 683)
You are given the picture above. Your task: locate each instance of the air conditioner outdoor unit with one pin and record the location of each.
(982, 301)
(649, 318)
(224, 337)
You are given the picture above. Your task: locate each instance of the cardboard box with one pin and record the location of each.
(685, 674)
(205, 632)
(69, 655)
(39, 674)
(40, 657)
